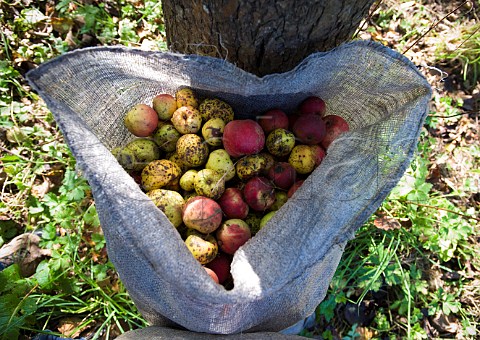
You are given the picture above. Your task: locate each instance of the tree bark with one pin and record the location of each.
(264, 36)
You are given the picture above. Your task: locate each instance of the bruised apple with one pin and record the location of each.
(209, 183)
(335, 126)
(259, 193)
(283, 175)
(232, 203)
(202, 214)
(250, 166)
(232, 234)
(281, 197)
(309, 129)
(187, 119)
(141, 120)
(165, 105)
(220, 161)
(302, 159)
(192, 150)
(160, 173)
(166, 137)
(280, 142)
(243, 137)
(204, 248)
(212, 131)
(186, 97)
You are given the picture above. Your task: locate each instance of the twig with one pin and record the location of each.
(14, 154)
(455, 115)
(471, 35)
(435, 25)
(438, 208)
(370, 15)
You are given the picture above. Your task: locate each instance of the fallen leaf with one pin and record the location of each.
(445, 323)
(61, 25)
(40, 190)
(386, 223)
(24, 251)
(68, 326)
(365, 333)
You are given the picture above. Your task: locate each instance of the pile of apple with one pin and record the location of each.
(219, 180)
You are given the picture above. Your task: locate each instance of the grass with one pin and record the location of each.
(410, 272)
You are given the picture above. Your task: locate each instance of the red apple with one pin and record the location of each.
(291, 120)
(294, 188)
(141, 120)
(243, 137)
(318, 154)
(259, 193)
(232, 234)
(221, 266)
(283, 175)
(314, 105)
(232, 203)
(309, 129)
(335, 126)
(273, 119)
(165, 105)
(137, 176)
(202, 214)
(212, 274)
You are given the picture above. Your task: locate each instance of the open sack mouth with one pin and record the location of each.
(282, 273)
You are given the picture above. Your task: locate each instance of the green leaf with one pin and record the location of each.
(382, 322)
(100, 271)
(59, 263)
(29, 305)
(91, 217)
(425, 187)
(76, 194)
(327, 335)
(35, 210)
(9, 276)
(327, 308)
(99, 241)
(393, 274)
(49, 232)
(417, 196)
(10, 158)
(450, 305)
(42, 274)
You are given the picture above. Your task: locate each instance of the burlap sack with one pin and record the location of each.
(282, 274)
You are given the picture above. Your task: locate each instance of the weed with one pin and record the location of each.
(42, 192)
(392, 263)
(462, 44)
(76, 279)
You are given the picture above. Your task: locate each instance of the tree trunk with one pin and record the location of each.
(264, 36)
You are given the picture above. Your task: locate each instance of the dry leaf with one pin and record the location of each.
(386, 223)
(40, 190)
(68, 325)
(24, 251)
(62, 25)
(365, 333)
(445, 323)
